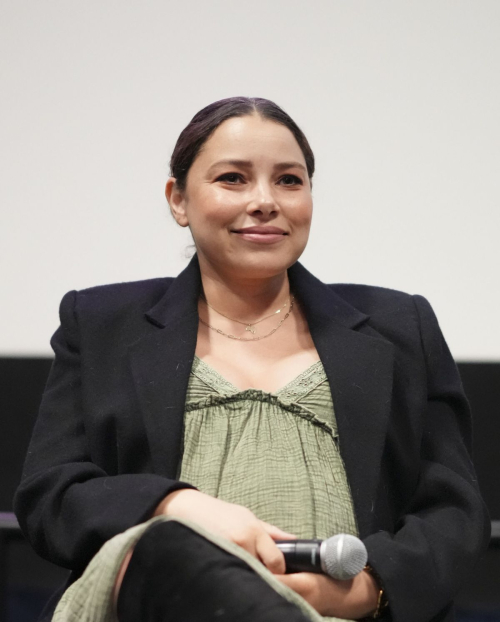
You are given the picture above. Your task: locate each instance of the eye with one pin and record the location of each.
(230, 178)
(290, 180)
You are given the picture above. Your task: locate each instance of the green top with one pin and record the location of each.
(274, 453)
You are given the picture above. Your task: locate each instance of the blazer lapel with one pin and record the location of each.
(359, 366)
(161, 363)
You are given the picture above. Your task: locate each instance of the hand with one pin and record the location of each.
(351, 599)
(234, 522)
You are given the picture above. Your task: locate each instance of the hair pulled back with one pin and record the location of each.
(206, 121)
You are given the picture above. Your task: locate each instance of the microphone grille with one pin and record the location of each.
(344, 556)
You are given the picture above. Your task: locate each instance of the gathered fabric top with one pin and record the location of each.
(274, 453)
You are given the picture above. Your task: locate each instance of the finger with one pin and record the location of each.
(270, 555)
(276, 533)
(246, 540)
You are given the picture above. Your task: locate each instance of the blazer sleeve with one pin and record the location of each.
(446, 526)
(66, 505)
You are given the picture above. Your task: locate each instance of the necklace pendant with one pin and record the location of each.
(251, 329)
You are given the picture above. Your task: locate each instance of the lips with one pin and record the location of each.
(261, 234)
(261, 230)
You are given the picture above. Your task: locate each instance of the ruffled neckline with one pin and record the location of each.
(302, 384)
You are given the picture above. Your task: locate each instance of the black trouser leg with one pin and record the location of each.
(177, 575)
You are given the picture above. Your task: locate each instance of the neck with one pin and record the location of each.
(246, 299)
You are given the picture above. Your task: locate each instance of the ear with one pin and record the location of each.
(176, 201)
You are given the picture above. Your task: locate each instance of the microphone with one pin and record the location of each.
(341, 557)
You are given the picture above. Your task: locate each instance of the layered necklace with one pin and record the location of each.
(249, 326)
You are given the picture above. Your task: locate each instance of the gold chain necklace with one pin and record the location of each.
(249, 325)
(218, 330)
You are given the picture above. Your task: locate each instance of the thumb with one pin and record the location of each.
(276, 533)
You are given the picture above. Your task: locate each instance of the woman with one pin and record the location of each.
(256, 403)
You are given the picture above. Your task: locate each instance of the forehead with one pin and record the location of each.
(250, 137)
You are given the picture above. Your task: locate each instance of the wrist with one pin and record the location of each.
(167, 504)
(377, 589)
(355, 599)
(364, 595)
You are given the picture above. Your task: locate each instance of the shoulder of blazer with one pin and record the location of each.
(116, 297)
(393, 314)
(372, 300)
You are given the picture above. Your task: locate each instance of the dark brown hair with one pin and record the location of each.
(206, 121)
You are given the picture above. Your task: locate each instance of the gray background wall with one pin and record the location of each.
(399, 99)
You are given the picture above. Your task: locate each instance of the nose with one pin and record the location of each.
(262, 202)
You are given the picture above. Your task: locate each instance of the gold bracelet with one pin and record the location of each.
(382, 601)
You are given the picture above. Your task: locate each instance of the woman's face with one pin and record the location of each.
(247, 199)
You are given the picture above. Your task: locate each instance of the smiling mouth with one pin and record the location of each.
(260, 231)
(261, 235)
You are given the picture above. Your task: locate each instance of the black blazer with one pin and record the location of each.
(106, 447)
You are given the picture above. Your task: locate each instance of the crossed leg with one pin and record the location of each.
(175, 574)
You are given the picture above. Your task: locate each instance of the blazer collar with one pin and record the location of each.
(321, 304)
(180, 299)
(358, 363)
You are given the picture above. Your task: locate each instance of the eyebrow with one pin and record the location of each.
(248, 164)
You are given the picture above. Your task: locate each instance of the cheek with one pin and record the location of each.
(301, 212)
(223, 201)
(214, 206)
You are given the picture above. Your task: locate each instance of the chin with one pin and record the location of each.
(262, 267)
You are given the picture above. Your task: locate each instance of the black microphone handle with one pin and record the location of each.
(301, 555)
